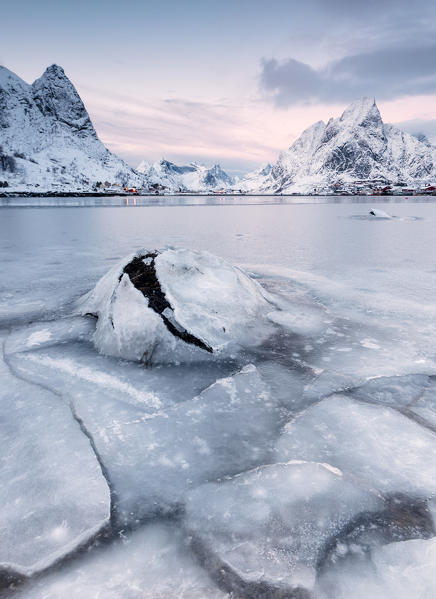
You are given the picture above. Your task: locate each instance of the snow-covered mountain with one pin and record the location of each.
(357, 146)
(47, 140)
(193, 177)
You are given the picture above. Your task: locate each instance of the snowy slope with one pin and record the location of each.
(357, 146)
(193, 177)
(48, 141)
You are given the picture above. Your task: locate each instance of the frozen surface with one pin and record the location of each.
(352, 312)
(153, 563)
(266, 530)
(53, 494)
(396, 571)
(152, 461)
(375, 444)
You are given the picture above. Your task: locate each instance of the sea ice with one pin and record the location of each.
(425, 406)
(374, 443)
(395, 391)
(153, 460)
(152, 563)
(263, 532)
(53, 492)
(402, 570)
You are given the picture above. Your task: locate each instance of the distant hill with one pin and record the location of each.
(193, 177)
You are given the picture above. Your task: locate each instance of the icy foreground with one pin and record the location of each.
(161, 305)
(152, 564)
(266, 530)
(294, 459)
(52, 505)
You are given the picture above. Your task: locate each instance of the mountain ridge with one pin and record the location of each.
(357, 146)
(47, 139)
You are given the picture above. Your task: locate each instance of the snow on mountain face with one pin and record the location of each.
(357, 146)
(193, 177)
(47, 139)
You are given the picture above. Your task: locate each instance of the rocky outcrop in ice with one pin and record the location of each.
(357, 146)
(193, 177)
(174, 304)
(47, 140)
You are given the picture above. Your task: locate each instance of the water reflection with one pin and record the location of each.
(197, 200)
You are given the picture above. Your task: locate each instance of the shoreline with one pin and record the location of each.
(91, 194)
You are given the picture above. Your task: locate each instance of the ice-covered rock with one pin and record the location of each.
(374, 443)
(53, 494)
(395, 571)
(263, 532)
(152, 563)
(152, 460)
(170, 304)
(381, 214)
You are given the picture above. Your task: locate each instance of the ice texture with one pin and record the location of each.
(152, 563)
(152, 460)
(53, 494)
(395, 571)
(206, 298)
(374, 443)
(263, 532)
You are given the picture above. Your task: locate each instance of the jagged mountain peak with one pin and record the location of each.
(56, 97)
(357, 146)
(362, 111)
(191, 177)
(9, 80)
(49, 138)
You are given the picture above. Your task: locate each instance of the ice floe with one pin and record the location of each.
(152, 563)
(263, 532)
(374, 443)
(152, 460)
(53, 494)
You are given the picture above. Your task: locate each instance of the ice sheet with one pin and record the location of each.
(152, 563)
(262, 533)
(153, 461)
(376, 444)
(53, 494)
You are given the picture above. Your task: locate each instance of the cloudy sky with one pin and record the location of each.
(227, 81)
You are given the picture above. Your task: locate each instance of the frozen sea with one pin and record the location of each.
(304, 466)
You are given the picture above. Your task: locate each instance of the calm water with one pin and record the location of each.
(186, 200)
(50, 256)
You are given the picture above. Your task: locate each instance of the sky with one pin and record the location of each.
(233, 82)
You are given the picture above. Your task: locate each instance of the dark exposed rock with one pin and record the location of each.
(142, 273)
